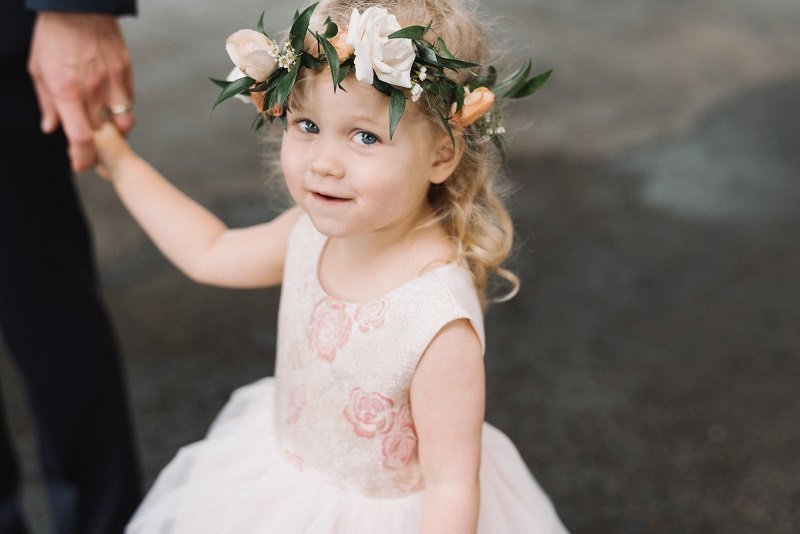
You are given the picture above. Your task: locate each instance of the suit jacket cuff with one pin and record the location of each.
(112, 7)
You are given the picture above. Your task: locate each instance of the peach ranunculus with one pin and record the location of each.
(476, 104)
(258, 101)
(330, 328)
(377, 55)
(252, 53)
(399, 446)
(343, 49)
(369, 413)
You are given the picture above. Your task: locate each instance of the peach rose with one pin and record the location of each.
(476, 104)
(369, 413)
(250, 51)
(330, 328)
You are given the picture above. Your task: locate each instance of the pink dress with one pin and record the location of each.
(328, 445)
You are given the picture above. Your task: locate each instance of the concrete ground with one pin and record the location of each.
(648, 369)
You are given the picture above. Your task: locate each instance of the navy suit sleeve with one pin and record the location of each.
(113, 7)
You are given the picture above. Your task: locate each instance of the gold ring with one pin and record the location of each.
(121, 109)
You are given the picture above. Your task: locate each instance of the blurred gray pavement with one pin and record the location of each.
(649, 369)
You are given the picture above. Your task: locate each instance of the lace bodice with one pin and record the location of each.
(344, 369)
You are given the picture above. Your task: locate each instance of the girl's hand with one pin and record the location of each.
(112, 150)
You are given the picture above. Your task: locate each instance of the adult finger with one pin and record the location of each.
(119, 106)
(49, 121)
(78, 130)
(119, 86)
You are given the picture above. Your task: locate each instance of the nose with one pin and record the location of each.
(326, 159)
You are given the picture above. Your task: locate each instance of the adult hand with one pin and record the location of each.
(81, 71)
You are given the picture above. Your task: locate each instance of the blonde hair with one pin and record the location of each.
(468, 204)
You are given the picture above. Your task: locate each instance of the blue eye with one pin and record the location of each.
(366, 138)
(307, 126)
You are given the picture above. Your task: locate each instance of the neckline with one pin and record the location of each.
(323, 239)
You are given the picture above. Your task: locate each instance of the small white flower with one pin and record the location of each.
(489, 132)
(274, 50)
(285, 61)
(416, 91)
(250, 52)
(500, 130)
(377, 55)
(423, 73)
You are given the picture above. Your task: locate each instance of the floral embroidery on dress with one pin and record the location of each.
(369, 413)
(330, 328)
(296, 403)
(399, 446)
(370, 315)
(294, 459)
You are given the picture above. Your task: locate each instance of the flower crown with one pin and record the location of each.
(394, 60)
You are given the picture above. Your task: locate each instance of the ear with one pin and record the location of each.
(446, 158)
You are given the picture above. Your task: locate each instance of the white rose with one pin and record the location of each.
(390, 59)
(251, 52)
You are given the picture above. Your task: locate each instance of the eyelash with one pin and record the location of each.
(302, 122)
(367, 134)
(306, 125)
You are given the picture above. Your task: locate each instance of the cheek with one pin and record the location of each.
(291, 166)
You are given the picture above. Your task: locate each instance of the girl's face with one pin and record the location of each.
(343, 170)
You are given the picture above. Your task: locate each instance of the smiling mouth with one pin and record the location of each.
(328, 198)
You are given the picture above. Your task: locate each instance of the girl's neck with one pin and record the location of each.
(363, 267)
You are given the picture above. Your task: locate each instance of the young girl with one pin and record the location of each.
(374, 420)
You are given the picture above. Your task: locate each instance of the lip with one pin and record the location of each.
(328, 199)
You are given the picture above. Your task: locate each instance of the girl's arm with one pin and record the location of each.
(196, 241)
(447, 400)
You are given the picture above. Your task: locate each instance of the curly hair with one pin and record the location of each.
(468, 205)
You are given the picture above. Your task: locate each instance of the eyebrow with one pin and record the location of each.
(370, 119)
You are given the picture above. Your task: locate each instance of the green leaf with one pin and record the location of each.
(331, 29)
(242, 85)
(446, 124)
(459, 97)
(530, 86)
(455, 63)
(425, 53)
(309, 61)
(260, 26)
(442, 50)
(344, 70)
(300, 26)
(382, 86)
(411, 32)
(515, 80)
(220, 83)
(333, 59)
(485, 81)
(397, 106)
(284, 86)
(258, 122)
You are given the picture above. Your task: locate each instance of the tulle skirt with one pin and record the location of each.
(237, 481)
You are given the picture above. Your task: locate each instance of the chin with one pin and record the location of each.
(330, 227)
